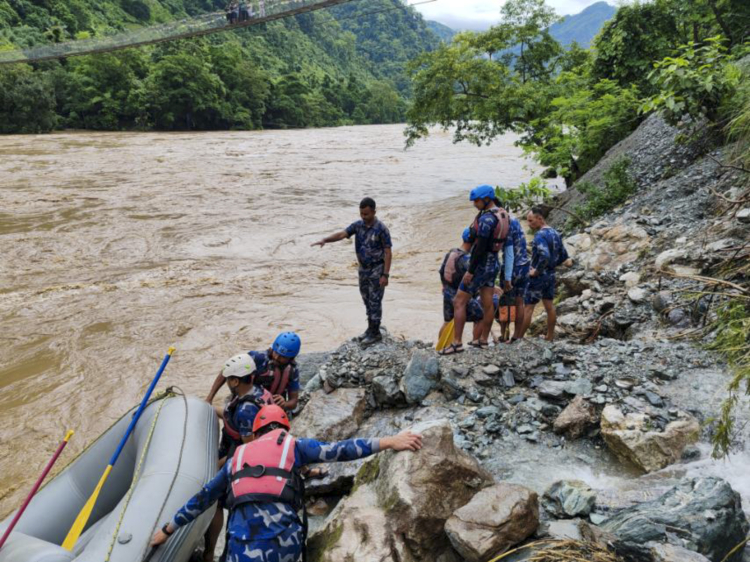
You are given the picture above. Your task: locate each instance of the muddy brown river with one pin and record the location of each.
(116, 246)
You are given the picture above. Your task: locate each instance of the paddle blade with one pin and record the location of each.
(446, 336)
(83, 516)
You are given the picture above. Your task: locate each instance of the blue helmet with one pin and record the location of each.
(481, 192)
(466, 236)
(287, 345)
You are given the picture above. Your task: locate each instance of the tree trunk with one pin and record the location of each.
(722, 23)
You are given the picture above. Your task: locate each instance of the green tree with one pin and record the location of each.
(104, 96)
(247, 87)
(27, 101)
(185, 93)
(628, 44)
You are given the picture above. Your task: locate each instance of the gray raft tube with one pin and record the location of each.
(120, 529)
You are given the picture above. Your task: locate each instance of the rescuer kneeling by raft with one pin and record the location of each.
(266, 491)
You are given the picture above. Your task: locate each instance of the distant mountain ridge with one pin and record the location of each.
(584, 26)
(444, 32)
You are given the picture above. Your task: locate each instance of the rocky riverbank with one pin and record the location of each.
(602, 436)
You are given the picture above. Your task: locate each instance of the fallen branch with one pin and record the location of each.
(709, 281)
(722, 165)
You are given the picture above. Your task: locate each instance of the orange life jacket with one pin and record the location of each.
(501, 230)
(264, 471)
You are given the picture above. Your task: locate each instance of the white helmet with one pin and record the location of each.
(239, 366)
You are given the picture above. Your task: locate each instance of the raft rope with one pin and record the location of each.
(174, 477)
(169, 393)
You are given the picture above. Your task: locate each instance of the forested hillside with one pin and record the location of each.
(344, 65)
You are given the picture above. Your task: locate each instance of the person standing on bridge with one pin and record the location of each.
(262, 8)
(374, 253)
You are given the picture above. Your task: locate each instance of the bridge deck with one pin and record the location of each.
(200, 25)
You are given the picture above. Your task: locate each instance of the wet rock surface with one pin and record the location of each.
(569, 498)
(633, 438)
(495, 519)
(702, 514)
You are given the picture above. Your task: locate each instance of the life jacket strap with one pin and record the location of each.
(259, 471)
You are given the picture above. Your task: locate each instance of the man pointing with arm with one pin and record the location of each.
(373, 246)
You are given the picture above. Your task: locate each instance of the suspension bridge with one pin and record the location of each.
(206, 24)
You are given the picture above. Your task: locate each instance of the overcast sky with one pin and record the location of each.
(481, 14)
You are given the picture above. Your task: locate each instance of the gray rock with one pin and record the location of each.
(524, 429)
(516, 399)
(450, 388)
(492, 370)
(637, 295)
(488, 411)
(508, 379)
(309, 364)
(421, 376)
(661, 301)
(579, 387)
(331, 417)
(671, 553)
(564, 530)
(315, 383)
(677, 317)
(706, 512)
(566, 499)
(654, 399)
(496, 519)
(552, 390)
(386, 391)
(744, 215)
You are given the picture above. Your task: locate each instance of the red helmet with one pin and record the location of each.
(270, 414)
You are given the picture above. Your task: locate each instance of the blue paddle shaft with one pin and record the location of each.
(142, 407)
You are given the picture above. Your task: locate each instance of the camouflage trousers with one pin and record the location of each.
(263, 551)
(371, 291)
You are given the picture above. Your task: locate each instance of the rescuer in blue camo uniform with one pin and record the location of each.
(277, 371)
(547, 253)
(373, 246)
(264, 494)
(489, 236)
(520, 282)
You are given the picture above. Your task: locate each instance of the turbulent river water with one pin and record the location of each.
(116, 246)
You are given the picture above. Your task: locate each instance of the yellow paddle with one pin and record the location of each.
(446, 336)
(83, 517)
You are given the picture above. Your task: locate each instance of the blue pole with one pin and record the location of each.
(142, 407)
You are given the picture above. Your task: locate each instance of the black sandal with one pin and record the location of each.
(454, 348)
(479, 344)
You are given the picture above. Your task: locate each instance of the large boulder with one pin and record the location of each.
(331, 417)
(421, 376)
(357, 530)
(569, 498)
(671, 553)
(495, 519)
(630, 438)
(418, 492)
(576, 418)
(700, 514)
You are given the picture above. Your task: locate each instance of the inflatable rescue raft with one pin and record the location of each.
(171, 454)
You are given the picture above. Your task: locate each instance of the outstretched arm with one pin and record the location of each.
(218, 383)
(332, 238)
(311, 451)
(196, 505)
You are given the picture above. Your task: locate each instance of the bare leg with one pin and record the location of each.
(459, 315)
(518, 330)
(528, 314)
(477, 331)
(549, 306)
(485, 295)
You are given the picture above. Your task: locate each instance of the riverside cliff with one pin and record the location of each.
(601, 438)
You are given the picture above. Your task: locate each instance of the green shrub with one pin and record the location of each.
(696, 82)
(525, 195)
(618, 186)
(732, 340)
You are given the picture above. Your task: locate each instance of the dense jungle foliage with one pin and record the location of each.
(339, 66)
